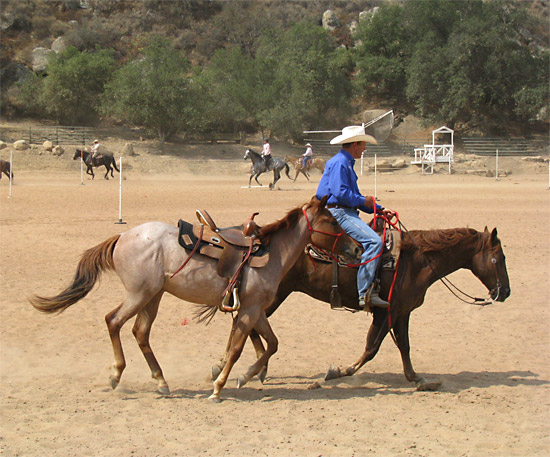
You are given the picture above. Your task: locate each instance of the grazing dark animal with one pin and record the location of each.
(106, 159)
(314, 164)
(5, 168)
(260, 166)
(426, 256)
(147, 258)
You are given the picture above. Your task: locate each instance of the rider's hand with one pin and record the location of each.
(388, 213)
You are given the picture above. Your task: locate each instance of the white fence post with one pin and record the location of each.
(120, 221)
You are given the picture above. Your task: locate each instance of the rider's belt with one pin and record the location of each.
(335, 205)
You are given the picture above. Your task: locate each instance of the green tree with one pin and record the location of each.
(229, 92)
(153, 91)
(383, 53)
(473, 73)
(74, 83)
(304, 81)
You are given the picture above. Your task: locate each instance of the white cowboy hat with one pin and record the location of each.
(96, 141)
(307, 144)
(353, 133)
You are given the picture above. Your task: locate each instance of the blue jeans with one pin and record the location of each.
(304, 162)
(359, 230)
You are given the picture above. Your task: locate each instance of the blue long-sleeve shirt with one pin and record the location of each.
(339, 182)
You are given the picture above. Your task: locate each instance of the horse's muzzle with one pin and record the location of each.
(500, 293)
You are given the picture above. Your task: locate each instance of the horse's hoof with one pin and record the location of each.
(333, 373)
(241, 381)
(262, 374)
(163, 390)
(114, 382)
(215, 398)
(216, 370)
(430, 386)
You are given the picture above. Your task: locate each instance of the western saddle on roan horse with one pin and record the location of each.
(233, 247)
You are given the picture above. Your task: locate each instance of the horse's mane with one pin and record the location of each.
(437, 240)
(286, 222)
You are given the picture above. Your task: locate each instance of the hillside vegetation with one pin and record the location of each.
(189, 67)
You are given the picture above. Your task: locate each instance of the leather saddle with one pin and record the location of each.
(232, 247)
(388, 260)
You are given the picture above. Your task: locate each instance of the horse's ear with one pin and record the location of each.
(324, 201)
(494, 235)
(486, 230)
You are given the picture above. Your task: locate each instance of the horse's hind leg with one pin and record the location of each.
(115, 320)
(141, 331)
(107, 173)
(263, 327)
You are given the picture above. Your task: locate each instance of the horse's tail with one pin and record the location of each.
(287, 169)
(93, 262)
(114, 164)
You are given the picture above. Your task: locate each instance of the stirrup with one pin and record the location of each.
(225, 304)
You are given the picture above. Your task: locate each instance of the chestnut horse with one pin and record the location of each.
(147, 256)
(314, 164)
(426, 256)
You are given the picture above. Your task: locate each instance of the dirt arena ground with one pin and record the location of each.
(493, 362)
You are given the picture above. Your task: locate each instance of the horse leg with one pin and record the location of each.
(90, 171)
(115, 320)
(217, 369)
(276, 177)
(256, 178)
(376, 334)
(258, 347)
(401, 328)
(260, 350)
(142, 330)
(107, 168)
(246, 320)
(263, 327)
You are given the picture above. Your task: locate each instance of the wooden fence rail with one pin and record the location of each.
(57, 135)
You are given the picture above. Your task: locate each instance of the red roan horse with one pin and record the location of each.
(425, 257)
(147, 257)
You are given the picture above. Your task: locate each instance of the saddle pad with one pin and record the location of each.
(212, 245)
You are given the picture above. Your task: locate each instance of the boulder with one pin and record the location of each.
(368, 15)
(330, 21)
(47, 145)
(58, 151)
(3, 145)
(533, 159)
(128, 150)
(21, 145)
(40, 58)
(59, 45)
(399, 163)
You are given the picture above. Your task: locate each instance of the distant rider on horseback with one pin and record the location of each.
(266, 154)
(95, 150)
(307, 156)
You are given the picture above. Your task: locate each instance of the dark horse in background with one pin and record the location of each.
(425, 257)
(106, 160)
(259, 166)
(5, 168)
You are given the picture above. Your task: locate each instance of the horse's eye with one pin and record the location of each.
(493, 260)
